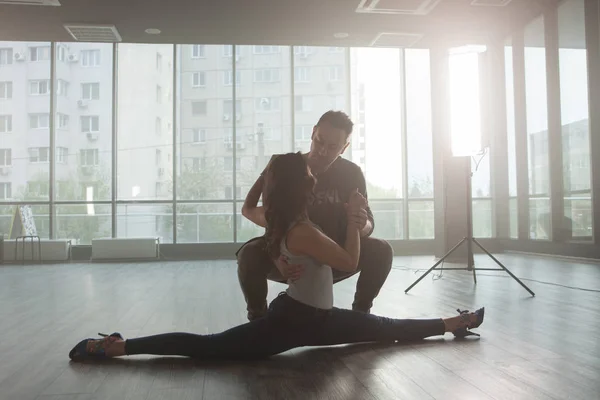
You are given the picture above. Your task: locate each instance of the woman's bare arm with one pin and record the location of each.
(250, 209)
(305, 239)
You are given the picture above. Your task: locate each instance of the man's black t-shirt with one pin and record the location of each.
(331, 192)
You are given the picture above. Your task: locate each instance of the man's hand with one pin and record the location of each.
(356, 210)
(289, 271)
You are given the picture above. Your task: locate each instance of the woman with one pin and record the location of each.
(303, 315)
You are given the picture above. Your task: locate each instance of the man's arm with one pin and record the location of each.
(361, 184)
(250, 209)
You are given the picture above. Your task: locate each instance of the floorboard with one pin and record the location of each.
(541, 348)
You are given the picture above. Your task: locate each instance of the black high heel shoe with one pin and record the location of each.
(80, 351)
(464, 332)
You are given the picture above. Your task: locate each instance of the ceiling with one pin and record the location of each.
(276, 22)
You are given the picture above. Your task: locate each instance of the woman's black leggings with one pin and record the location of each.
(287, 325)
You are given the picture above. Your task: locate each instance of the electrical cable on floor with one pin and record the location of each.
(417, 270)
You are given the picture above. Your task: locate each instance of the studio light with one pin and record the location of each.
(465, 100)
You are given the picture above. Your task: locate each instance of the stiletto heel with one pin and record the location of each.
(464, 332)
(80, 352)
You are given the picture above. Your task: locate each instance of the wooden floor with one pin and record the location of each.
(547, 347)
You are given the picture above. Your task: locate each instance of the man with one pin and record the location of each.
(336, 179)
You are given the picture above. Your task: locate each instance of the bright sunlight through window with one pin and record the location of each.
(465, 109)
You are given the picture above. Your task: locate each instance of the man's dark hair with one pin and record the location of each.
(337, 119)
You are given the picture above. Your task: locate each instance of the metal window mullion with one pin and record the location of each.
(556, 189)
(348, 71)
(52, 131)
(521, 144)
(404, 138)
(174, 143)
(115, 56)
(292, 100)
(234, 138)
(592, 39)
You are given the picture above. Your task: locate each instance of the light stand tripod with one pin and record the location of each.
(469, 239)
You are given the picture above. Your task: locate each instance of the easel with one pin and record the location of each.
(22, 228)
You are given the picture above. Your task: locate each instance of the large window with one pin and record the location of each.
(315, 92)
(537, 131)
(574, 112)
(24, 126)
(419, 144)
(265, 124)
(145, 156)
(466, 113)
(83, 140)
(195, 125)
(377, 141)
(206, 117)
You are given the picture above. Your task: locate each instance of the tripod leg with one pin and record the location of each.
(503, 267)
(435, 265)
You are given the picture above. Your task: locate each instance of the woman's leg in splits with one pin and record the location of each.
(257, 339)
(346, 326)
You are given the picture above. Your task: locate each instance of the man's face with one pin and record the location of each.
(327, 144)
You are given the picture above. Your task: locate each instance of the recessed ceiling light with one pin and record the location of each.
(152, 31)
(340, 35)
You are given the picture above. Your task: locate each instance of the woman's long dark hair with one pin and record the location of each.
(289, 187)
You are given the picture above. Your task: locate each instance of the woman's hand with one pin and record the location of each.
(289, 271)
(356, 212)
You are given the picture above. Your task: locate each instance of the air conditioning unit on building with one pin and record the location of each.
(73, 58)
(161, 171)
(92, 136)
(241, 146)
(19, 57)
(87, 169)
(82, 103)
(229, 145)
(226, 117)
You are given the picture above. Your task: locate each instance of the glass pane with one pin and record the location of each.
(145, 120)
(206, 114)
(578, 217)
(539, 218)
(24, 121)
(83, 222)
(480, 182)
(246, 229)
(83, 122)
(264, 128)
(537, 112)
(389, 221)
(464, 99)
(510, 121)
(420, 220)
(320, 84)
(40, 218)
(418, 124)
(574, 96)
(376, 105)
(514, 218)
(145, 220)
(204, 223)
(482, 218)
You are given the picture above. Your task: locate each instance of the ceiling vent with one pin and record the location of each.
(490, 3)
(396, 39)
(31, 2)
(410, 7)
(93, 33)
